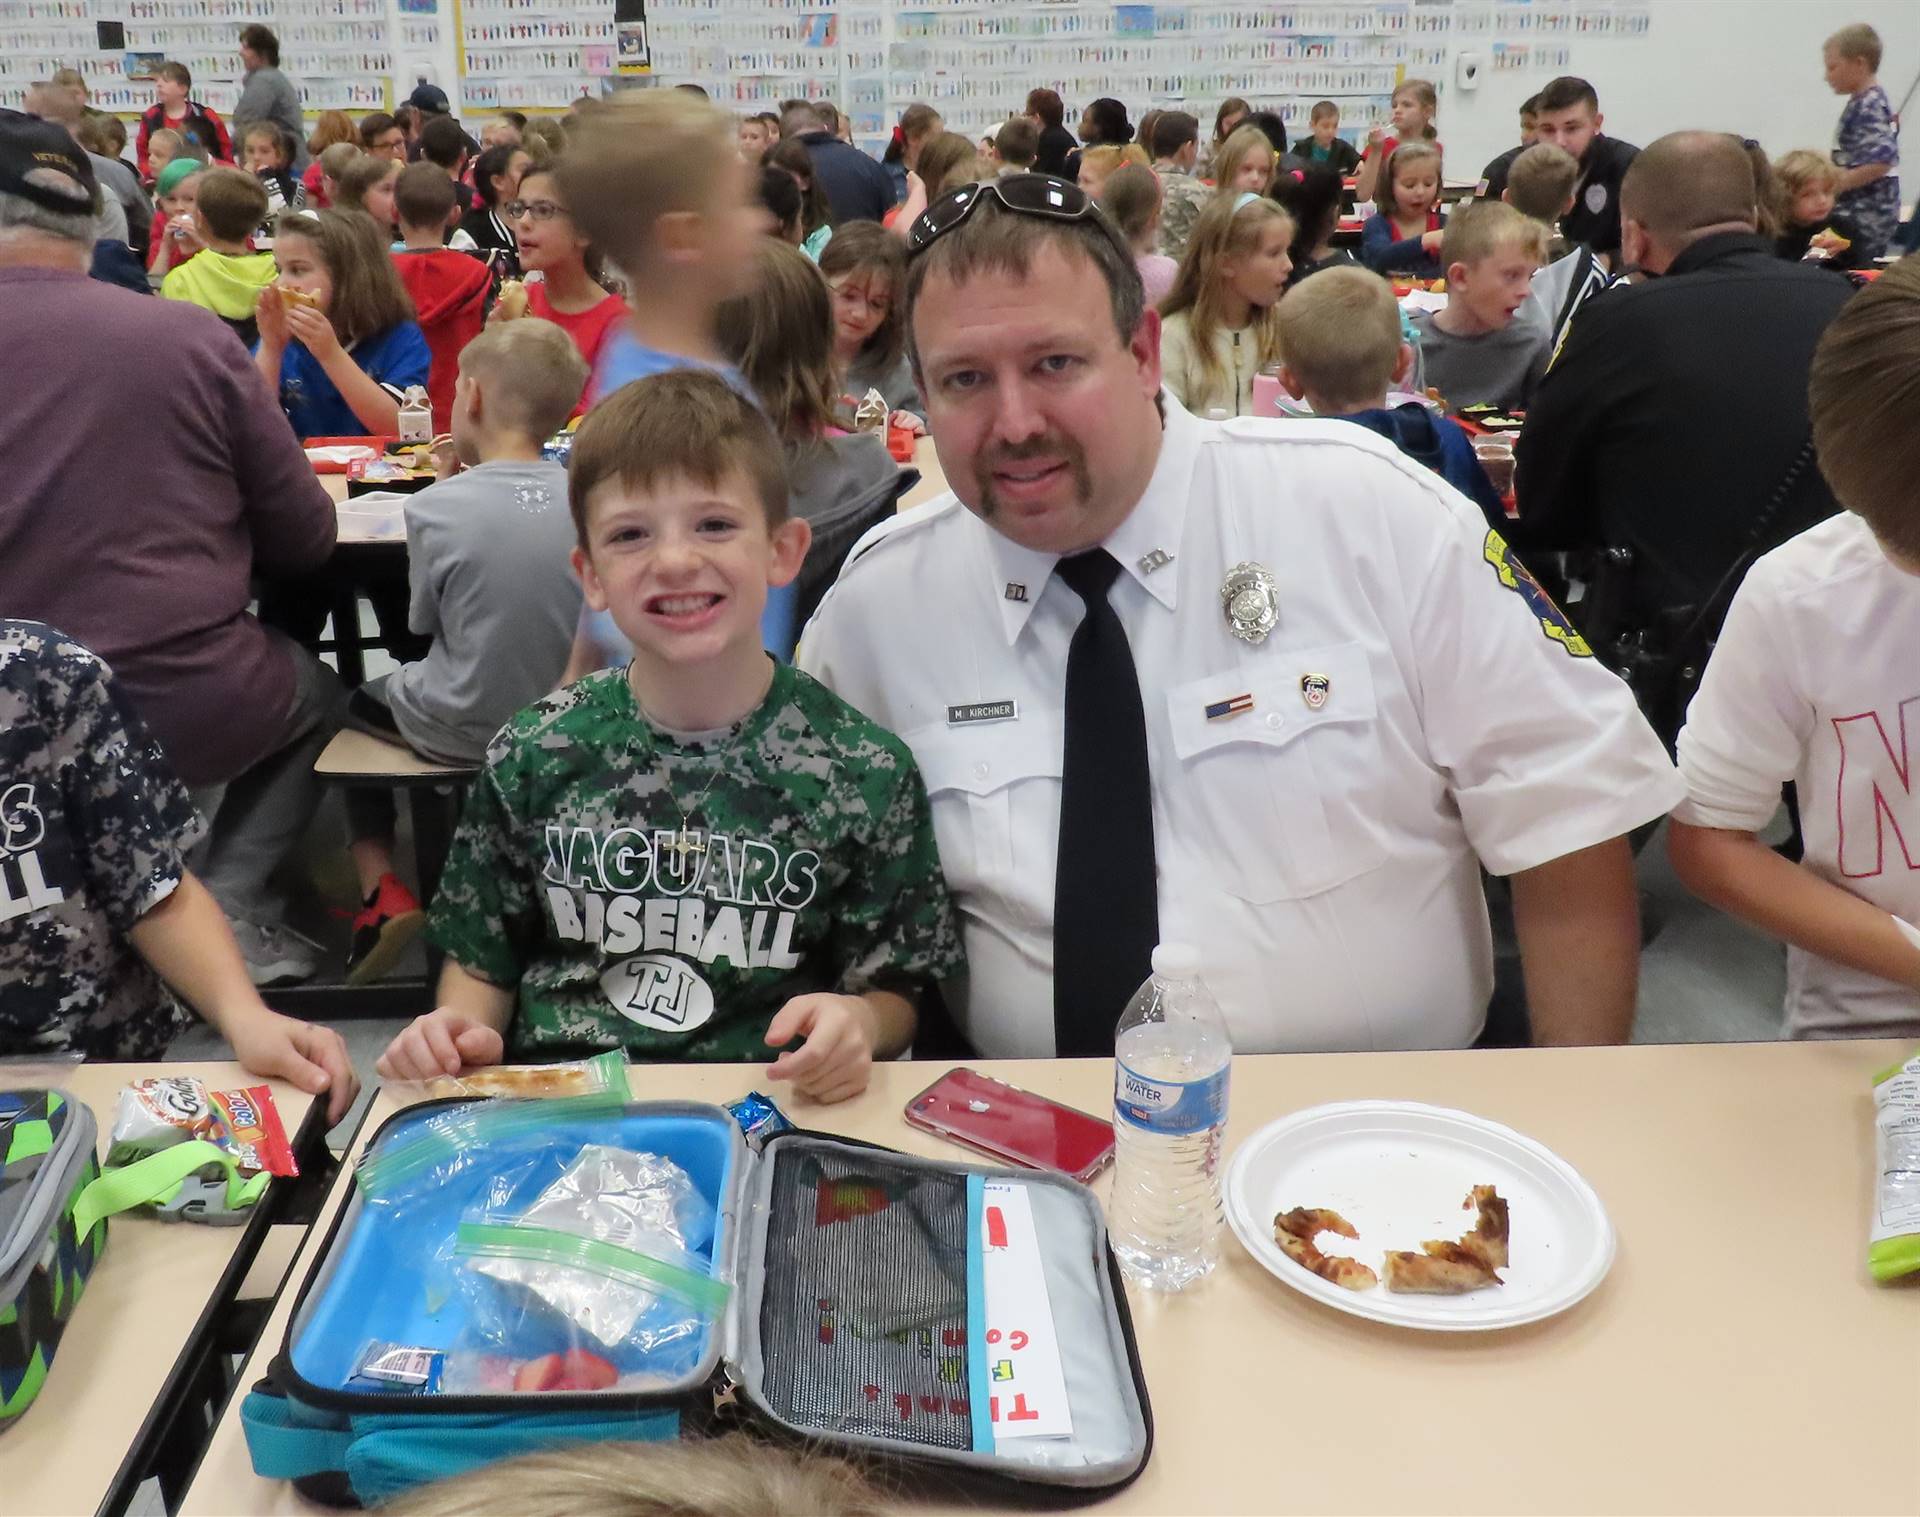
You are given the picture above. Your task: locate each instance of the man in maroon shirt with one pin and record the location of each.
(133, 513)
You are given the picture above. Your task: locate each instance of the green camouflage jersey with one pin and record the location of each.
(816, 871)
(94, 829)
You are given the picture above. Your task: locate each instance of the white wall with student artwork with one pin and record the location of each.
(1746, 66)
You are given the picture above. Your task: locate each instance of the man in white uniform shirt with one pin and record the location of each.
(1300, 776)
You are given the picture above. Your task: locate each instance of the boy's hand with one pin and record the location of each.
(315, 332)
(271, 314)
(442, 1042)
(312, 1058)
(836, 1059)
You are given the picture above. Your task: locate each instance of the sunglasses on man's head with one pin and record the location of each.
(1024, 194)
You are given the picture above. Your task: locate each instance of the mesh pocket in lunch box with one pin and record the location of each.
(863, 1322)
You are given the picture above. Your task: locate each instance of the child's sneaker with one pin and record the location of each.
(391, 920)
(275, 953)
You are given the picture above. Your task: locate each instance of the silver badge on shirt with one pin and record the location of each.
(1016, 591)
(1315, 690)
(1158, 558)
(1251, 598)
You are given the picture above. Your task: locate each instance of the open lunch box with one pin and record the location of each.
(512, 1275)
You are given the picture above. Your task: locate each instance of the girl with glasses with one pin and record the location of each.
(568, 291)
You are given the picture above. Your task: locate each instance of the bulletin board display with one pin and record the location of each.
(341, 53)
(976, 62)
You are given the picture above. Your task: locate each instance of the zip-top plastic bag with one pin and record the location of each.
(1893, 1247)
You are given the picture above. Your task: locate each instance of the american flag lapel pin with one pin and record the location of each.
(1220, 710)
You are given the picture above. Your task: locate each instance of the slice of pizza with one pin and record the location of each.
(1488, 1240)
(1295, 1232)
(1441, 1268)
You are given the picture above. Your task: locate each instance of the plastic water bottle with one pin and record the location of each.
(1170, 1074)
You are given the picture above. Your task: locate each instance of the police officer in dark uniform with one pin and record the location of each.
(1568, 115)
(1672, 424)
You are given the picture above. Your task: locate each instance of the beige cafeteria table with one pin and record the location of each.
(932, 483)
(1737, 1358)
(125, 1352)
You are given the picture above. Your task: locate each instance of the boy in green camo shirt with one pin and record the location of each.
(705, 854)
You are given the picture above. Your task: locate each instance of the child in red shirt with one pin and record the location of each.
(569, 293)
(449, 289)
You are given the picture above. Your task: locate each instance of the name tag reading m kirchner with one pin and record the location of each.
(983, 711)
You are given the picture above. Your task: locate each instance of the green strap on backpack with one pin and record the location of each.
(157, 1178)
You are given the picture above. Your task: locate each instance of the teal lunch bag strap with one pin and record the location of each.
(286, 1444)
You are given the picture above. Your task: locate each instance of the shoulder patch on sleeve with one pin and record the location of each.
(1514, 575)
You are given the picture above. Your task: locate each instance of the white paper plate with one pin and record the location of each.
(1399, 1171)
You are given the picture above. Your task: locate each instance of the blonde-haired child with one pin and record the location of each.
(1805, 186)
(1097, 163)
(1245, 163)
(1219, 329)
(1414, 105)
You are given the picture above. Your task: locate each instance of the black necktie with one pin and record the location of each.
(1105, 916)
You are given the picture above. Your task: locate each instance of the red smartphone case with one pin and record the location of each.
(1012, 1124)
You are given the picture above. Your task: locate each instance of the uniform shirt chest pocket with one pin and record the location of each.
(1275, 786)
(977, 774)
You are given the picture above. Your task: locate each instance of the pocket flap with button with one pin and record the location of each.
(981, 757)
(1295, 691)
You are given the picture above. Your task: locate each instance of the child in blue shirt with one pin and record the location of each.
(338, 341)
(1404, 236)
(1867, 141)
(1340, 334)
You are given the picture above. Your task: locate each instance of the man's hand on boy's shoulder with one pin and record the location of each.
(841, 1032)
(443, 1041)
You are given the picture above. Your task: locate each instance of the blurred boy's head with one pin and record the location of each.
(755, 137)
(678, 487)
(1340, 332)
(1807, 182)
(229, 206)
(1540, 183)
(1017, 144)
(655, 182)
(1323, 121)
(1176, 138)
(1491, 252)
(425, 201)
(1862, 391)
(1852, 58)
(264, 149)
(519, 381)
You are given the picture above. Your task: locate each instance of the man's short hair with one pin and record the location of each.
(1340, 334)
(1480, 229)
(1564, 93)
(1685, 181)
(373, 127)
(829, 115)
(1172, 131)
(533, 373)
(1541, 181)
(1323, 109)
(771, 118)
(424, 197)
(231, 202)
(645, 155)
(1017, 142)
(17, 213)
(260, 39)
(52, 101)
(1530, 106)
(993, 240)
(1048, 106)
(177, 73)
(804, 117)
(684, 424)
(442, 142)
(1862, 392)
(1857, 41)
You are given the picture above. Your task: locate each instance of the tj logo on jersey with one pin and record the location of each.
(1875, 794)
(23, 886)
(736, 902)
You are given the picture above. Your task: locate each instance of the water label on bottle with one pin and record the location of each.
(1172, 1108)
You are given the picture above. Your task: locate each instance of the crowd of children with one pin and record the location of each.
(681, 279)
